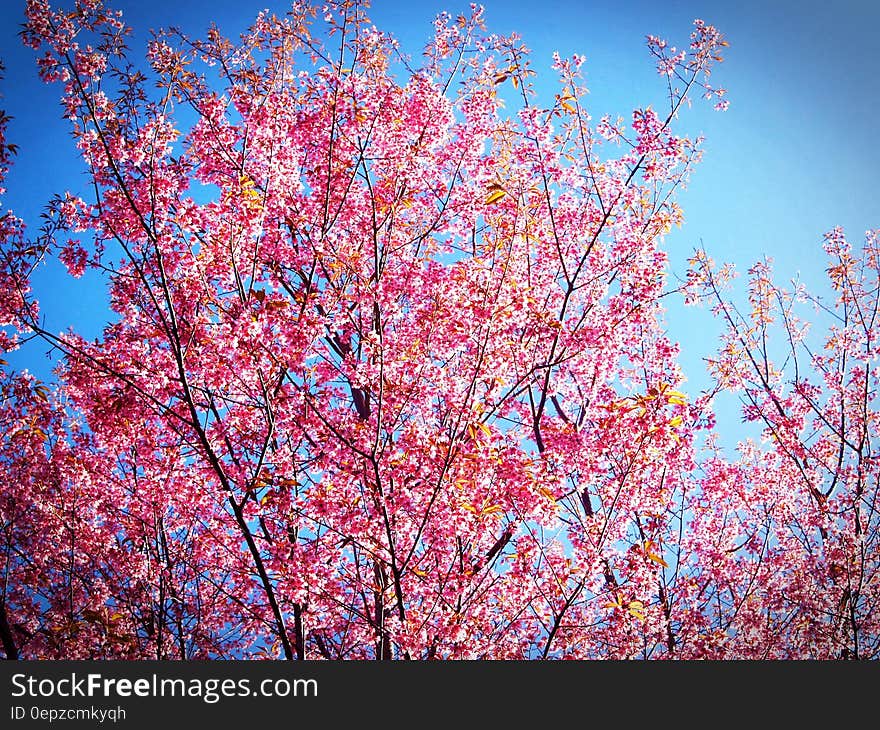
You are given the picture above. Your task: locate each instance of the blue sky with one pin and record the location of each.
(796, 153)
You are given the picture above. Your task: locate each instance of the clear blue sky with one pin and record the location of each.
(796, 154)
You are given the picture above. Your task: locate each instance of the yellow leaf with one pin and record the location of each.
(469, 507)
(636, 609)
(675, 422)
(495, 197)
(651, 555)
(485, 429)
(492, 509)
(420, 573)
(547, 493)
(568, 106)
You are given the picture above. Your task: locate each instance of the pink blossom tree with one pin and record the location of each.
(387, 374)
(790, 555)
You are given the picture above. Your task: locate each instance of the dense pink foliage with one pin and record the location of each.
(387, 374)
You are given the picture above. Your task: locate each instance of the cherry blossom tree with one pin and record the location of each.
(387, 377)
(790, 552)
